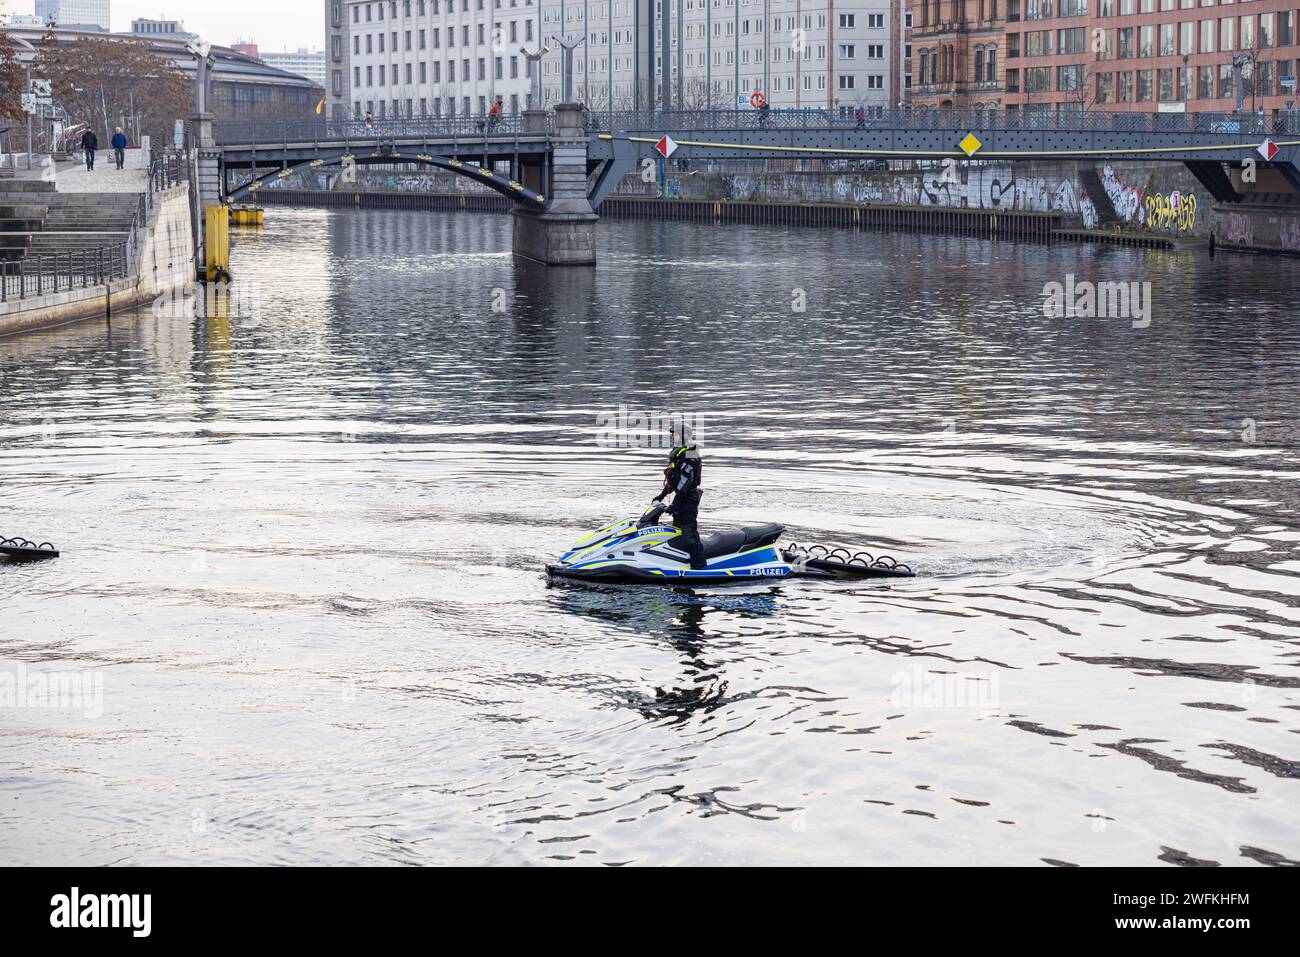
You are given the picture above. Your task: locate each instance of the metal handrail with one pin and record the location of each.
(280, 133)
(268, 133)
(49, 273)
(168, 169)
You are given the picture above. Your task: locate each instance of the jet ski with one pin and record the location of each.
(646, 551)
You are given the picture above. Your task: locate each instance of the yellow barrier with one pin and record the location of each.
(217, 221)
(246, 215)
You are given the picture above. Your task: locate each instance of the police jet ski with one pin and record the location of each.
(645, 551)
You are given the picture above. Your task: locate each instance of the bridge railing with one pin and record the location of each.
(280, 132)
(916, 119)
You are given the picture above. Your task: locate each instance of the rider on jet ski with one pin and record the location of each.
(682, 481)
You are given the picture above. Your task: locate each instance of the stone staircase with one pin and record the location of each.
(1092, 185)
(24, 206)
(37, 220)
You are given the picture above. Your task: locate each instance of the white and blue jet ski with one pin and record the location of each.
(646, 551)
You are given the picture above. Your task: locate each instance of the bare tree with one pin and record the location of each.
(1084, 95)
(699, 94)
(1248, 57)
(11, 79)
(106, 81)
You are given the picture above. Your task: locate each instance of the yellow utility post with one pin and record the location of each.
(217, 221)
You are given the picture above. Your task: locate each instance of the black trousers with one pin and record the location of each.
(686, 511)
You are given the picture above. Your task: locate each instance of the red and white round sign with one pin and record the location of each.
(757, 99)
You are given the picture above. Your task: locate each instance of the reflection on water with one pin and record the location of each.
(303, 536)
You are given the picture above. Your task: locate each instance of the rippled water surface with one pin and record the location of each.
(303, 548)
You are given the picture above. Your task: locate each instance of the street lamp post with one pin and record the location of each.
(1238, 63)
(27, 89)
(568, 43)
(534, 76)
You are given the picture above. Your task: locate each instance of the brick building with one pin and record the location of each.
(1149, 55)
(956, 53)
(1114, 55)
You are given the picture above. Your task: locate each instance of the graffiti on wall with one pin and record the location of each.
(1175, 211)
(1030, 187)
(1239, 230)
(983, 186)
(1288, 235)
(1127, 200)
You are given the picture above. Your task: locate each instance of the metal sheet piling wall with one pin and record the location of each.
(1038, 227)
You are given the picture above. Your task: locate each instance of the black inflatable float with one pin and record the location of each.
(828, 561)
(20, 549)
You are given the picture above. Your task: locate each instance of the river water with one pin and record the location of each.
(303, 536)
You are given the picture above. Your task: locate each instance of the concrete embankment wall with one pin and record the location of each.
(165, 262)
(1143, 201)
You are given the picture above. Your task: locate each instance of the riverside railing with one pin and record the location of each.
(168, 169)
(48, 273)
(60, 271)
(275, 133)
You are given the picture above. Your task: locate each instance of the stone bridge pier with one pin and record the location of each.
(563, 233)
(206, 170)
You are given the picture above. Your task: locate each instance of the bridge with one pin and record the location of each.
(561, 164)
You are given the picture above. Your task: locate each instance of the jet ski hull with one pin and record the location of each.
(626, 551)
(626, 574)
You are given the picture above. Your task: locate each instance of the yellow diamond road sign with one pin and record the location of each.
(970, 144)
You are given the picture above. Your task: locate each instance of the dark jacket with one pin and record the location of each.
(119, 141)
(682, 478)
(89, 141)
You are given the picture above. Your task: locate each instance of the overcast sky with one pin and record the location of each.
(274, 25)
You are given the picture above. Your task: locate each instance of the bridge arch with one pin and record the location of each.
(488, 177)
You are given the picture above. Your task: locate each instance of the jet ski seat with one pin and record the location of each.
(739, 539)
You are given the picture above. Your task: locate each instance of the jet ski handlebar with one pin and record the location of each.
(651, 515)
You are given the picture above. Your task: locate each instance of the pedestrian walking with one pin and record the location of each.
(119, 147)
(89, 143)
